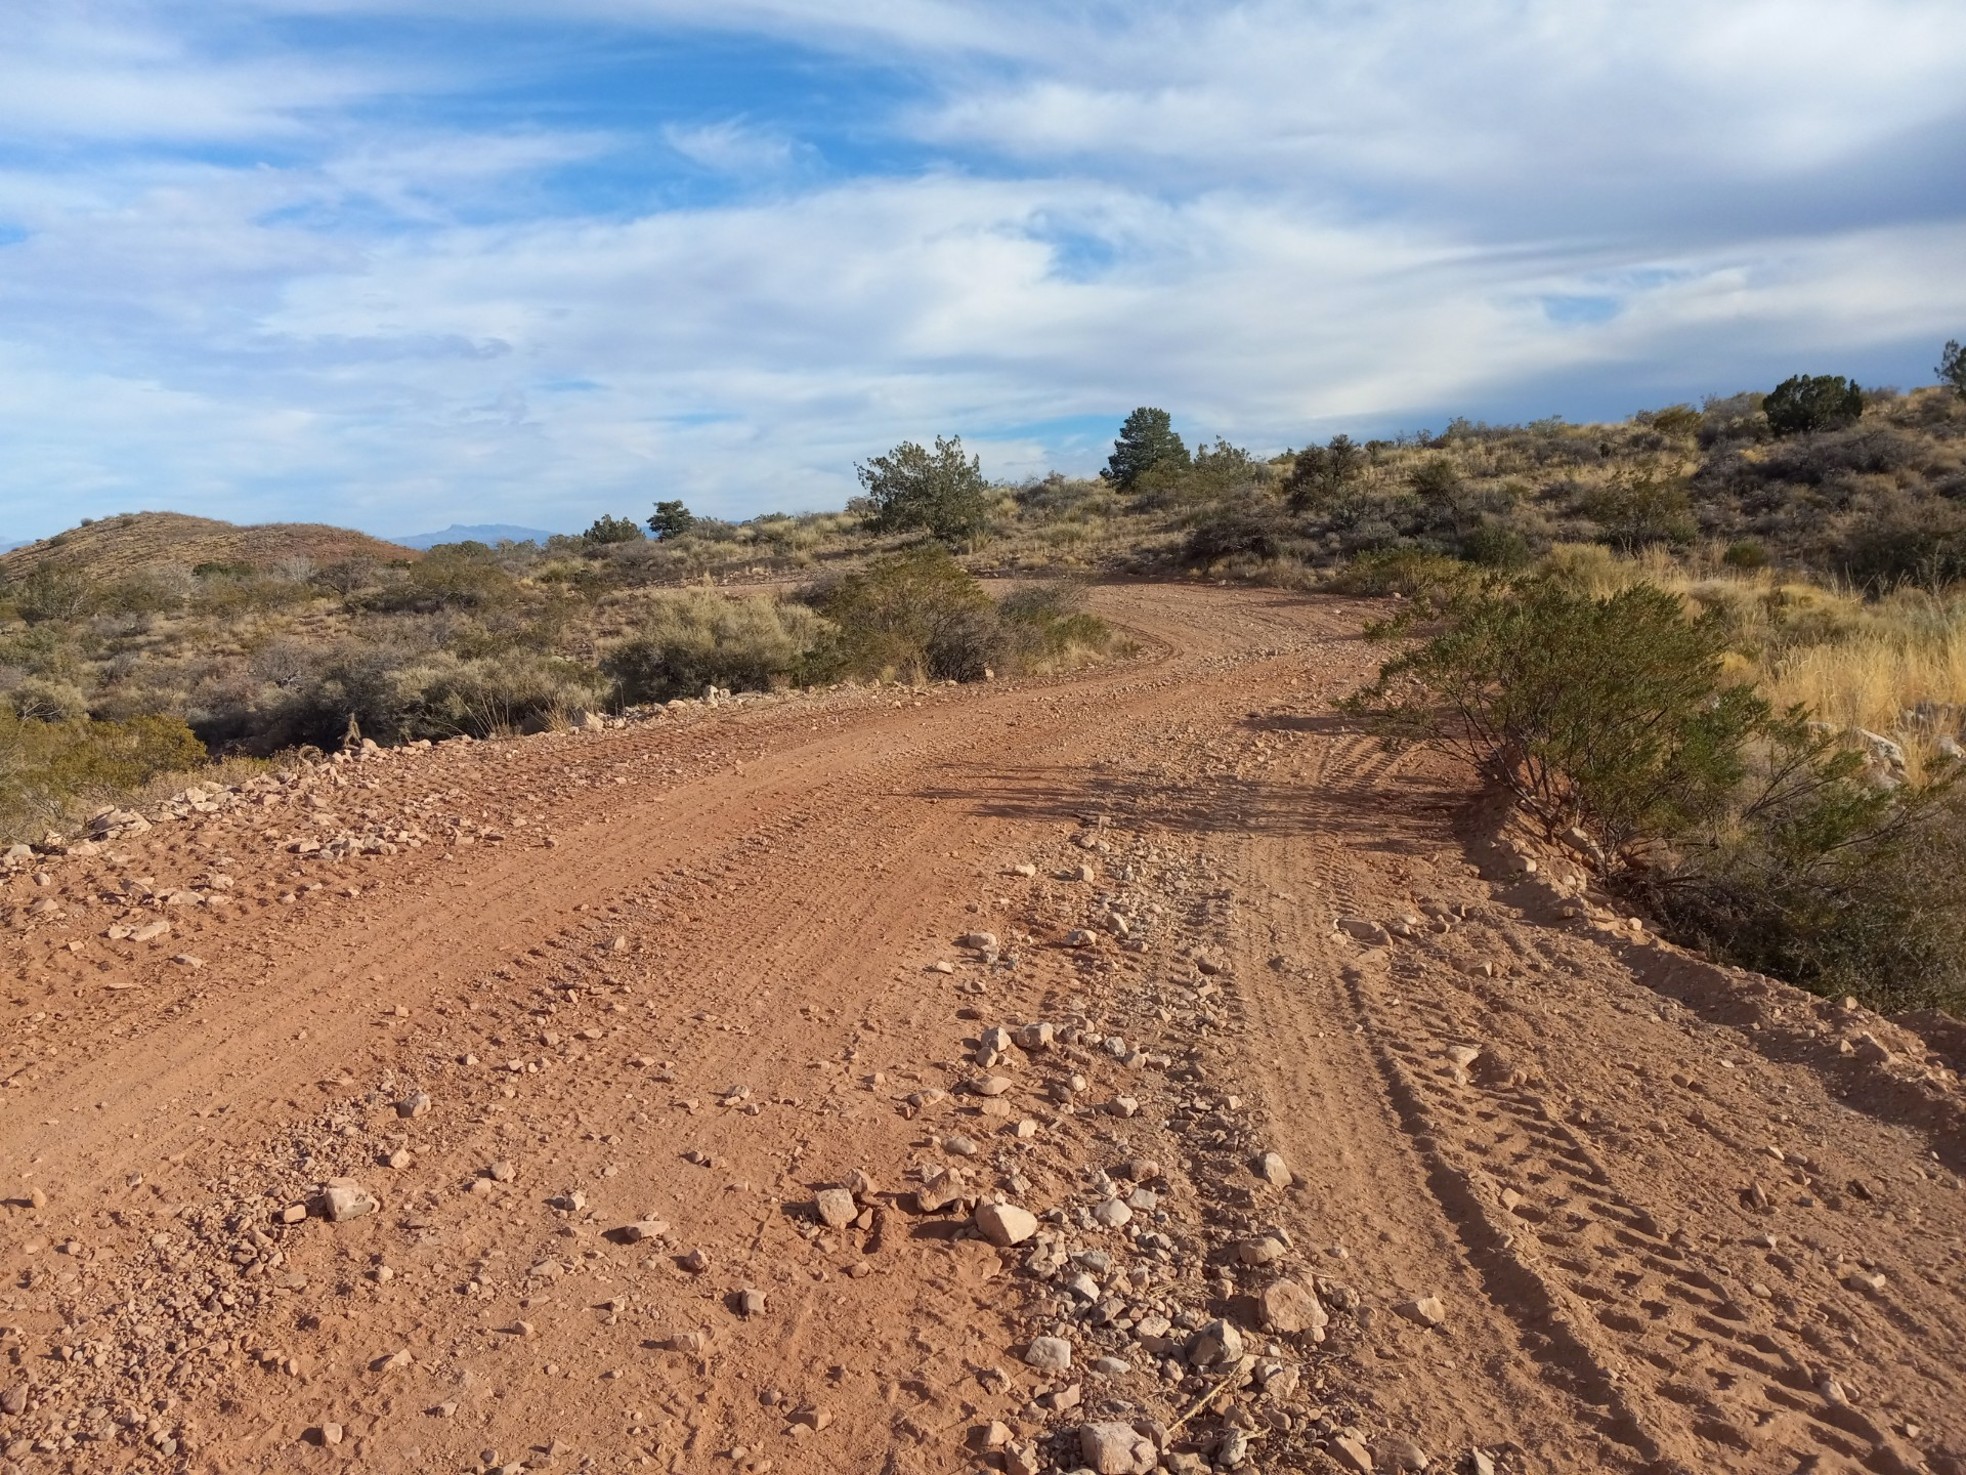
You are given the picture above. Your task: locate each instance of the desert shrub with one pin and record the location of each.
(1745, 554)
(671, 520)
(1899, 540)
(50, 771)
(1495, 544)
(1046, 626)
(451, 576)
(47, 700)
(1734, 417)
(50, 595)
(698, 638)
(1605, 713)
(1819, 459)
(1320, 475)
(487, 695)
(607, 530)
(918, 615)
(1755, 832)
(1811, 402)
(1642, 508)
(1832, 884)
(1436, 481)
(1251, 527)
(1951, 367)
(346, 577)
(1673, 422)
(1406, 572)
(153, 592)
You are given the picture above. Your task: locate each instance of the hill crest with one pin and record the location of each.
(134, 542)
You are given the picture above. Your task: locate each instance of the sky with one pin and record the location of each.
(398, 264)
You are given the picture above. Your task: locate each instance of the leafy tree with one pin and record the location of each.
(1322, 474)
(1813, 402)
(1952, 367)
(940, 492)
(612, 530)
(1146, 440)
(671, 520)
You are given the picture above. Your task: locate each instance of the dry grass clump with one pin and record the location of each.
(695, 638)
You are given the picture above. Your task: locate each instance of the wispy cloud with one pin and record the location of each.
(427, 261)
(733, 147)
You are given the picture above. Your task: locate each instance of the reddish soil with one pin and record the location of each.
(1668, 1218)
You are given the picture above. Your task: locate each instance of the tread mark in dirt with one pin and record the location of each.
(1766, 1411)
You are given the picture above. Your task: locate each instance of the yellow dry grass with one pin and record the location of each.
(1853, 662)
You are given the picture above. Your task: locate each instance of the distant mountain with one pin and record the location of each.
(483, 532)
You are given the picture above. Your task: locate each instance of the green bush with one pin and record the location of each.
(1952, 367)
(48, 701)
(918, 615)
(1752, 832)
(1813, 402)
(1844, 890)
(698, 638)
(941, 493)
(1321, 475)
(1242, 527)
(671, 520)
(1407, 572)
(50, 595)
(608, 530)
(1640, 509)
(49, 771)
(454, 576)
(1609, 714)
(1745, 554)
(1493, 544)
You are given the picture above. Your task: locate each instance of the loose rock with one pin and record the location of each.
(344, 1198)
(1272, 1169)
(1425, 1310)
(1049, 1354)
(1288, 1306)
(1116, 1449)
(835, 1207)
(1004, 1225)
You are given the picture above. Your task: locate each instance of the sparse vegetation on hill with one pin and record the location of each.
(168, 545)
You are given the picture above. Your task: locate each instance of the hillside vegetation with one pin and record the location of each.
(1813, 537)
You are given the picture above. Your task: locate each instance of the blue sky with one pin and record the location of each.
(402, 263)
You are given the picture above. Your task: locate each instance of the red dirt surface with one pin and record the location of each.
(1669, 1217)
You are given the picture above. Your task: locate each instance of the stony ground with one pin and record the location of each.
(1136, 1071)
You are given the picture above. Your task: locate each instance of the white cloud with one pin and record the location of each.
(733, 147)
(1276, 220)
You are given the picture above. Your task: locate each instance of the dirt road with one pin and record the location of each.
(1354, 1138)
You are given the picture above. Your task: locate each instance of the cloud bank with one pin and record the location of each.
(407, 264)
